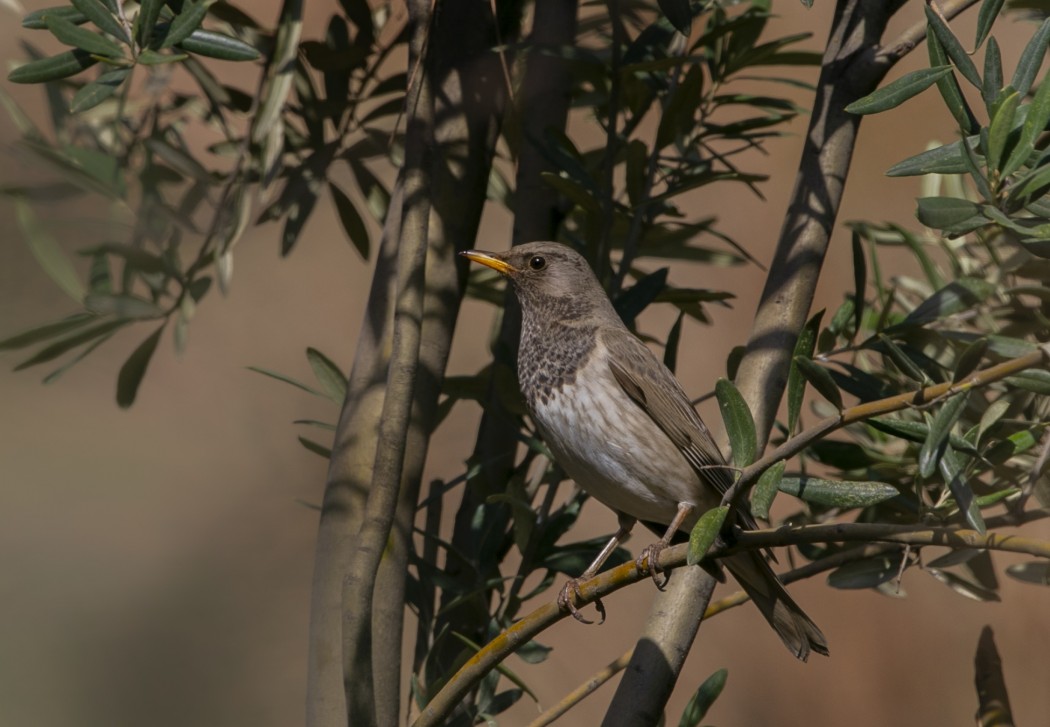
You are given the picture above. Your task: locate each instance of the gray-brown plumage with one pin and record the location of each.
(619, 423)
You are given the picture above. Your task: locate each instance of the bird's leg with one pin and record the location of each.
(652, 552)
(571, 590)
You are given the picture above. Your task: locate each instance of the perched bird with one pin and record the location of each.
(620, 425)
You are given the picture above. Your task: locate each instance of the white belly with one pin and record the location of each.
(600, 447)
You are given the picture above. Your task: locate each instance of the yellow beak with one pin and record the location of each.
(488, 260)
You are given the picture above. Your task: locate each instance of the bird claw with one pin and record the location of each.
(567, 597)
(649, 559)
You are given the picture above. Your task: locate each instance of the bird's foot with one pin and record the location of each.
(568, 595)
(649, 559)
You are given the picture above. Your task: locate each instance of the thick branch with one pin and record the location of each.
(397, 403)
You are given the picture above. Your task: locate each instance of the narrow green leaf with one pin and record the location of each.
(677, 118)
(766, 490)
(899, 91)
(47, 252)
(964, 587)
(74, 360)
(1034, 380)
(970, 359)
(947, 159)
(100, 281)
(216, 45)
(840, 494)
(58, 348)
(993, 73)
(318, 449)
(673, 338)
(705, 696)
(937, 441)
(839, 324)
(572, 190)
(952, 472)
(1034, 125)
(1031, 59)
(679, 13)
(860, 280)
(1001, 126)
(153, 58)
(949, 213)
(122, 306)
(867, 573)
(1030, 186)
(636, 162)
(146, 21)
(740, 425)
(136, 258)
(332, 380)
(955, 297)
(94, 93)
(353, 225)
(991, 416)
(187, 21)
(102, 17)
(288, 380)
(37, 20)
(131, 373)
(82, 38)
(949, 87)
(916, 432)
(796, 383)
(327, 426)
(46, 331)
(821, 380)
(1035, 571)
(953, 47)
(705, 532)
(631, 302)
(986, 18)
(63, 65)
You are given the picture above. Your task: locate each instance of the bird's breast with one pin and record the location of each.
(612, 448)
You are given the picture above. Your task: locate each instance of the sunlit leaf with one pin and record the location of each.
(1031, 59)
(835, 493)
(740, 425)
(894, 94)
(705, 532)
(766, 490)
(82, 38)
(332, 380)
(53, 68)
(704, 698)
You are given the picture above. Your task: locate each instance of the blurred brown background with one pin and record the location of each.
(155, 563)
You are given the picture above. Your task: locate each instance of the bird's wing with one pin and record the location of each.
(655, 389)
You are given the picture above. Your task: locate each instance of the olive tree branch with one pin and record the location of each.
(749, 475)
(916, 534)
(607, 672)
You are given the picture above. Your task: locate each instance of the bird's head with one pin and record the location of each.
(543, 270)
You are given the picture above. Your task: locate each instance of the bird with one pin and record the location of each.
(620, 425)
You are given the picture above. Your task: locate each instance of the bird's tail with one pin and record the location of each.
(790, 622)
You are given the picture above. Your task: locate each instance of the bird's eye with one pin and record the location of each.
(538, 262)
